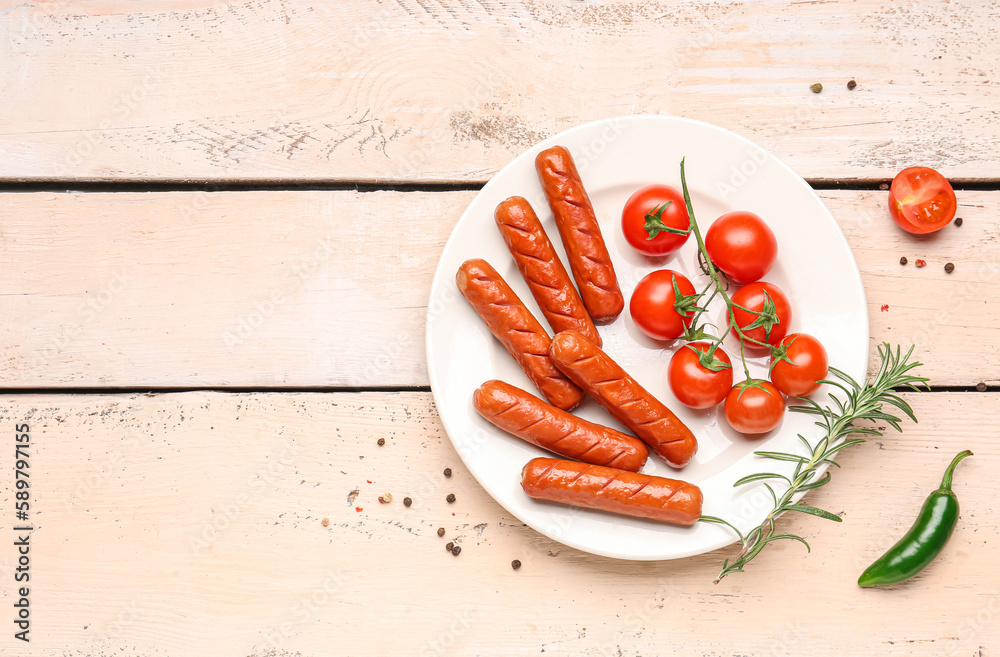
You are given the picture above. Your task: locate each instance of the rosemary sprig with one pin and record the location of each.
(861, 402)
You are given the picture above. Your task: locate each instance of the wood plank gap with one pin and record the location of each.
(949, 389)
(959, 184)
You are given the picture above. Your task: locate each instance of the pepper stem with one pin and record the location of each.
(946, 481)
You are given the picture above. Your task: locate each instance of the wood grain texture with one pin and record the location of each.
(189, 525)
(331, 288)
(450, 90)
(235, 289)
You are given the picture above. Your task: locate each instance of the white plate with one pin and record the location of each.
(615, 157)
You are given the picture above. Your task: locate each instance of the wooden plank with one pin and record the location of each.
(235, 289)
(191, 524)
(331, 288)
(451, 90)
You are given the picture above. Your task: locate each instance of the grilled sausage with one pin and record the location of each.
(516, 329)
(581, 234)
(608, 489)
(631, 404)
(531, 419)
(541, 268)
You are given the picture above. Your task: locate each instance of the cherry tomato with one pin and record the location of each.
(752, 296)
(647, 205)
(652, 305)
(808, 367)
(742, 246)
(694, 384)
(754, 410)
(921, 200)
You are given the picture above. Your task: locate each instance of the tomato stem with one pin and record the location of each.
(716, 282)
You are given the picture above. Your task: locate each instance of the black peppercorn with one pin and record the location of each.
(450, 498)
(449, 547)
(903, 260)
(456, 550)
(440, 531)
(949, 267)
(981, 387)
(515, 564)
(958, 222)
(447, 472)
(851, 85)
(407, 501)
(381, 441)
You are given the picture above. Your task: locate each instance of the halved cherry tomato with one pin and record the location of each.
(649, 208)
(742, 246)
(754, 296)
(921, 200)
(754, 409)
(693, 383)
(652, 304)
(809, 365)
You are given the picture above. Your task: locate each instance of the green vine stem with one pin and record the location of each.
(718, 285)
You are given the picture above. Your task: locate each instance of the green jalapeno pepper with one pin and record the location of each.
(924, 541)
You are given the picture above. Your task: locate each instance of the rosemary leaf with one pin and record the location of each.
(782, 456)
(822, 481)
(813, 511)
(760, 476)
(778, 537)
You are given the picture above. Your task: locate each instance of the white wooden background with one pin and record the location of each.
(190, 523)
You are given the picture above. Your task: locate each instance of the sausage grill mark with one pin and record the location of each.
(523, 231)
(563, 315)
(541, 260)
(637, 491)
(533, 424)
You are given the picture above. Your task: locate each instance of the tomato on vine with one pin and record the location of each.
(742, 246)
(763, 313)
(754, 407)
(921, 200)
(798, 365)
(699, 376)
(663, 304)
(655, 221)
